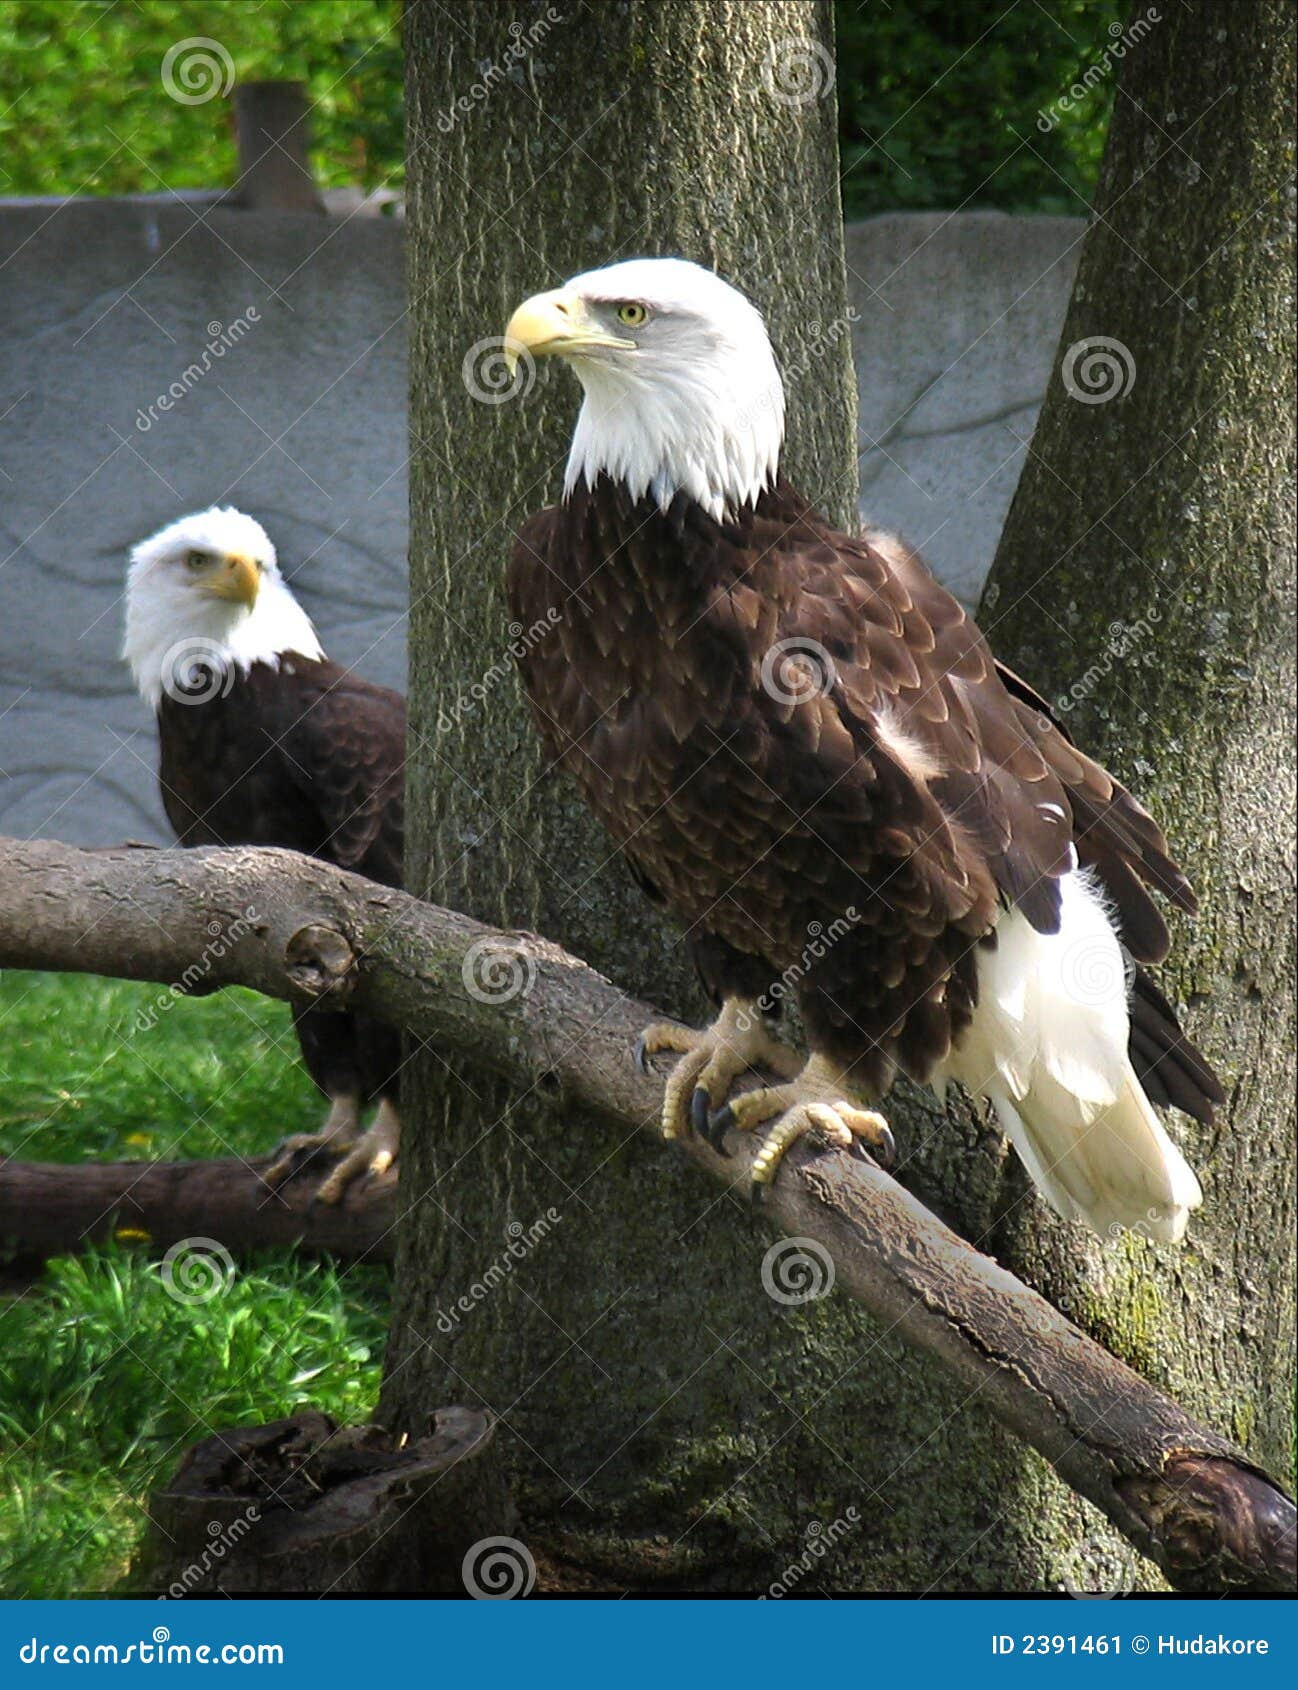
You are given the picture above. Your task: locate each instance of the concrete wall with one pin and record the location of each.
(300, 420)
(959, 318)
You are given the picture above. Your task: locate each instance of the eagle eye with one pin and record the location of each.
(632, 314)
(196, 560)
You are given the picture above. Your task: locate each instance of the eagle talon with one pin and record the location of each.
(299, 1150)
(714, 1130)
(700, 1114)
(709, 1064)
(720, 1122)
(370, 1157)
(813, 1105)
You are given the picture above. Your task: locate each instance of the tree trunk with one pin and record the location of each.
(643, 127)
(1145, 582)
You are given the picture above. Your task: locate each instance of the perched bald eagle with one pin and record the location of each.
(264, 741)
(803, 745)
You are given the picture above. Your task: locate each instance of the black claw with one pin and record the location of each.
(299, 1161)
(700, 1109)
(756, 1194)
(715, 1132)
(640, 1056)
(883, 1154)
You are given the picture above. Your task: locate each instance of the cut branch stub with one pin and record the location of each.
(1220, 1525)
(321, 965)
(295, 1507)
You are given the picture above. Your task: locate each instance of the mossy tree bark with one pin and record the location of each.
(670, 1422)
(1145, 582)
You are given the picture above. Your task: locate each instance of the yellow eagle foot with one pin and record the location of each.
(811, 1103)
(374, 1153)
(710, 1063)
(338, 1134)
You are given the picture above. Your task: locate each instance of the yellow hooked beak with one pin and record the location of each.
(237, 579)
(558, 321)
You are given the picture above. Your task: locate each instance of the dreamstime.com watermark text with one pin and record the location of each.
(221, 338)
(157, 1650)
(1124, 38)
(520, 1242)
(222, 935)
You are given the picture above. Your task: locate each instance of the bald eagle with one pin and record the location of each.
(263, 741)
(803, 745)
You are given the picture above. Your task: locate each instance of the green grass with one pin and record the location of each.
(115, 1071)
(104, 1376)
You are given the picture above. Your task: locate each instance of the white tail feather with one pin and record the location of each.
(1048, 1048)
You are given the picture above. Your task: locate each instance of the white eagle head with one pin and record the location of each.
(207, 590)
(682, 392)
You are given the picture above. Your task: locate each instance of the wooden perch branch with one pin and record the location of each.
(298, 929)
(50, 1208)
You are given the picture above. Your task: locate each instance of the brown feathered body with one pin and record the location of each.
(303, 754)
(801, 742)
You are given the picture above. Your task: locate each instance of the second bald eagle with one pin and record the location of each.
(263, 741)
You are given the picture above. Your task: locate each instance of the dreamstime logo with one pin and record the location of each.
(1095, 971)
(1100, 1261)
(196, 1270)
(798, 72)
(195, 671)
(797, 1270)
(496, 973)
(820, 941)
(197, 70)
(816, 339)
(497, 1569)
(521, 641)
(796, 670)
(521, 1241)
(820, 1539)
(496, 370)
(1122, 639)
(224, 1538)
(1098, 369)
(522, 42)
(1124, 39)
(1099, 1572)
(221, 935)
(221, 338)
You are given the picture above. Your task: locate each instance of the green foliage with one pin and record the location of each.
(939, 101)
(940, 104)
(83, 109)
(104, 1376)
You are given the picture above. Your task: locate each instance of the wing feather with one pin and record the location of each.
(345, 751)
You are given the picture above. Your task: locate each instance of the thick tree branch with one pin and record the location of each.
(298, 929)
(49, 1208)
